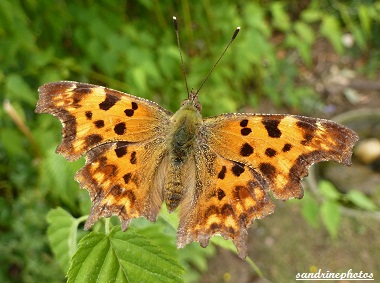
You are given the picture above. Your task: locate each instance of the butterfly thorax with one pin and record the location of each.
(185, 124)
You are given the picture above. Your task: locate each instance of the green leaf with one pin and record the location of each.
(62, 232)
(17, 89)
(280, 17)
(328, 190)
(361, 200)
(193, 255)
(164, 239)
(225, 244)
(310, 210)
(311, 15)
(122, 257)
(331, 29)
(305, 32)
(139, 78)
(359, 36)
(365, 18)
(331, 217)
(194, 258)
(12, 141)
(59, 178)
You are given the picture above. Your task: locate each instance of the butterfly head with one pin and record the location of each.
(192, 101)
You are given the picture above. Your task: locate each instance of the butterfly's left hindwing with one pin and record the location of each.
(227, 198)
(123, 138)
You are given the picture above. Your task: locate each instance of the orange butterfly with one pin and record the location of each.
(218, 170)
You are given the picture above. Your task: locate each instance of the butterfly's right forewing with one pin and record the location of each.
(124, 140)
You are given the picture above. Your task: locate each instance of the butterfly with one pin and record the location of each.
(217, 170)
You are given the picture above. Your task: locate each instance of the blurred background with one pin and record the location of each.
(315, 58)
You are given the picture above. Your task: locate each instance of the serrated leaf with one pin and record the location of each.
(122, 257)
(165, 240)
(331, 217)
(62, 233)
(328, 190)
(361, 200)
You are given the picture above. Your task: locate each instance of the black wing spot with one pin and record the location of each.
(222, 173)
(99, 123)
(134, 106)
(133, 159)
(238, 169)
(88, 115)
(121, 149)
(244, 123)
(127, 177)
(129, 112)
(245, 131)
(246, 150)
(108, 102)
(287, 147)
(268, 170)
(270, 152)
(221, 194)
(120, 128)
(272, 127)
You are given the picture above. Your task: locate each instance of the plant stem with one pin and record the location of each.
(107, 226)
(254, 267)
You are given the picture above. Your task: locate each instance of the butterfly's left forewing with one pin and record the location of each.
(280, 148)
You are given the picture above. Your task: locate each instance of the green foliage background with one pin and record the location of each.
(130, 46)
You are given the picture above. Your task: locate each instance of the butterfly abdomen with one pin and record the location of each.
(184, 128)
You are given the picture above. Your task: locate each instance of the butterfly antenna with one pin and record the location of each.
(213, 67)
(175, 22)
